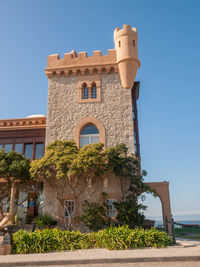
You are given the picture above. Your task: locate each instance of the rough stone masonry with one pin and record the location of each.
(114, 110)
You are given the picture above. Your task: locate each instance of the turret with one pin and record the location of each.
(127, 54)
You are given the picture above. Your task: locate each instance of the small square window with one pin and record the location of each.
(8, 148)
(19, 148)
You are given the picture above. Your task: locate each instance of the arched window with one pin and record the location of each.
(85, 92)
(94, 91)
(89, 135)
(89, 88)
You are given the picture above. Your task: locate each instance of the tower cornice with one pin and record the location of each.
(79, 64)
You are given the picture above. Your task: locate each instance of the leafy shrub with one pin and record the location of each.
(121, 237)
(125, 238)
(44, 221)
(48, 240)
(155, 238)
(113, 238)
(129, 212)
(94, 215)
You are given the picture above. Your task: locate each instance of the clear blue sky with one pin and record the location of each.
(168, 43)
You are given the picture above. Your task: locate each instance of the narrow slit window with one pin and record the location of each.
(134, 43)
(85, 92)
(119, 44)
(94, 91)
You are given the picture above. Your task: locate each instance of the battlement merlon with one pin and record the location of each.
(126, 30)
(80, 61)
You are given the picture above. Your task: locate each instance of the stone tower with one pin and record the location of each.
(109, 108)
(93, 99)
(127, 54)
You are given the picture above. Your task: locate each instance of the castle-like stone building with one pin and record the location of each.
(93, 99)
(95, 90)
(90, 99)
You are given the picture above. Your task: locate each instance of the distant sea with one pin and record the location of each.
(183, 219)
(160, 222)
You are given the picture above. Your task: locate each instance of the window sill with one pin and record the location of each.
(89, 100)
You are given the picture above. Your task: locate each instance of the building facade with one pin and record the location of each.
(90, 99)
(25, 136)
(94, 90)
(94, 99)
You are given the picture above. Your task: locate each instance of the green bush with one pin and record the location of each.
(48, 240)
(113, 238)
(122, 237)
(125, 238)
(44, 221)
(155, 238)
(94, 216)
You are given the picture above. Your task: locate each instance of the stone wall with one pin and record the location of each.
(5, 246)
(64, 112)
(114, 110)
(83, 192)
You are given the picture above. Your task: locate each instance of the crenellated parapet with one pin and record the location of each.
(24, 123)
(123, 60)
(80, 64)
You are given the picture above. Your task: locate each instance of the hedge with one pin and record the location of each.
(122, 237)
(126, 238)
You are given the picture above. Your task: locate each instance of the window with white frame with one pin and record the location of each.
(89, 135)
(69, 207)
(111, 210)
